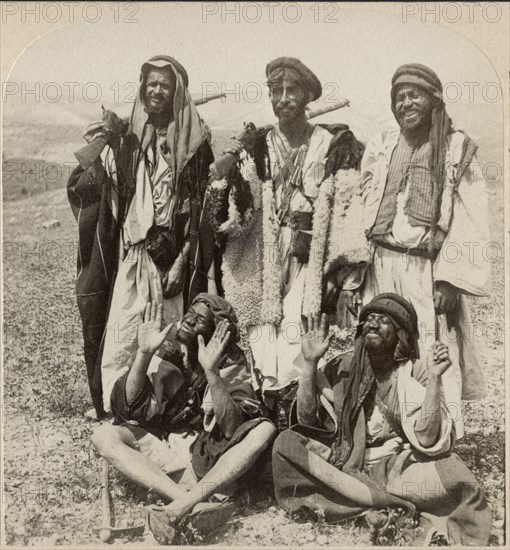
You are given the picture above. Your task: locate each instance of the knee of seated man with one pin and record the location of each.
(262, 435)
(458, 479)
(104, 439)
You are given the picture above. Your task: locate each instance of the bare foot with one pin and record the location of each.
(162, 523)
(175, 510)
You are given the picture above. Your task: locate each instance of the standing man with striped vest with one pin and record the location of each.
(425, 213)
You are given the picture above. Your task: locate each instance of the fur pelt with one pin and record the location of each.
(347, 243)
(338, 237)
(252, 267)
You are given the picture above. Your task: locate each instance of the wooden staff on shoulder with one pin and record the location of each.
(97, 138)
(220, 168)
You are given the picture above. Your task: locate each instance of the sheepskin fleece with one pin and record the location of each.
(252, 271)
(252, 267)
(347, 243)
(338, 237)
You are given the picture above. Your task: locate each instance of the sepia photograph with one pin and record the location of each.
(255, 274)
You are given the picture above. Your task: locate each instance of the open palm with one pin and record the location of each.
(150, 335)
(212, 355)
(315, 337)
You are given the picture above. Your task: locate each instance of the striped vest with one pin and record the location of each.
(409, 166)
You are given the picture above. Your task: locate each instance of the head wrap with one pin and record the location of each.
(185, 132)
(419, 75)
(221, 309)
(441, 126)
(298, 72)
(404, 318)
(160, 62)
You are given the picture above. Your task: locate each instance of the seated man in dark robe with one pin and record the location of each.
(374, 432)
(185, 427)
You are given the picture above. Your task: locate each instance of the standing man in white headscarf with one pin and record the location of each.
(142, 234)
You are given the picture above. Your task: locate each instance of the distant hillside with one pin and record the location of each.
(28, 124)
(23, 177)
(41, 137)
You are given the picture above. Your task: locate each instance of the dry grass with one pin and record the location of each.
(52, 477)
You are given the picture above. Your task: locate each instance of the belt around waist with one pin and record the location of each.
(299, 220)
(282, 392)
(422, 252)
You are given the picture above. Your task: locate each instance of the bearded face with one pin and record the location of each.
(288, 99)
(413, 108)
(379, 334)
(159, 92)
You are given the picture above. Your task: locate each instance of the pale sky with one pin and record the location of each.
(354, 56)
(359, 52)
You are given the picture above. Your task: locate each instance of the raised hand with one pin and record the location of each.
(110, 128)
(438, 361)
(315, 337)
(211, 356)
(150, 335)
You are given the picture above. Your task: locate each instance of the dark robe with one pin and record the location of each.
(89, 192)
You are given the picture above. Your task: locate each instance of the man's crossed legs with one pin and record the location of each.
(167, 470)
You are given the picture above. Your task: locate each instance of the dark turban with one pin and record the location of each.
(304, 77)
(404, 318)
(417, 74)
(441, 126)
(221, 309)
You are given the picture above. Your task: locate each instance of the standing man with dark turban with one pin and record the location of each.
(280, 208)
(374, 432)
(142, 235)
(425, 213)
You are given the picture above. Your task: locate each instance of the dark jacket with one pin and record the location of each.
(89, 193)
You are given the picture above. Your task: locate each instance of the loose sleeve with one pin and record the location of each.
(85, 187)
(465, 257)
(370, 191)
(241, 404)
(368, 163)
(411, 393)
(141, 407)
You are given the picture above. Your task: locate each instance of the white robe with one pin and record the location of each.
(276, 349)
(138, 279)
(461, 261)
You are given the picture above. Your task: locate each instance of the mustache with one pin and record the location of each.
(287, 106)
(369, 330)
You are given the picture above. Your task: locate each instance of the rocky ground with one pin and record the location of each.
(52, 493)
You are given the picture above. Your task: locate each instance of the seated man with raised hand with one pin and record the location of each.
(185, 427)
(374, 432)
